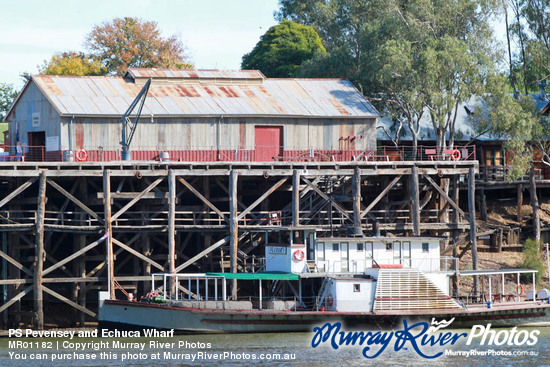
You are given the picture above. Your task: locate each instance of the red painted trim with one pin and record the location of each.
(411, 298)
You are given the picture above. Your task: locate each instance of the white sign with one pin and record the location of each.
(277, 250)
(52, 143)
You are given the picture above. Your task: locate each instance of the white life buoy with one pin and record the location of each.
(81, 155)
(455, 155)
(299, 255)
(520, 289)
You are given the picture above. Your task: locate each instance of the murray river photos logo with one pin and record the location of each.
(420, 337)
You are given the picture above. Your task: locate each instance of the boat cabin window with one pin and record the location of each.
(334, 247)
(425, 247)
(357, 287)
(321, 251)
(389, 246)
(368, 250)
(359, 247)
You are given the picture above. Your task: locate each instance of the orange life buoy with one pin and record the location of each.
(520, 289)
(299, 255)
(330, 301)
(455, 155)
(81, 155)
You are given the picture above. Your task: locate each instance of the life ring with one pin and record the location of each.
(81, 155)
(330, 300)
(520, 289)
(455, 155)
(299, 255)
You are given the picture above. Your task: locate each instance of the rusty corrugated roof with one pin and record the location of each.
(193, 74)
(111, 96)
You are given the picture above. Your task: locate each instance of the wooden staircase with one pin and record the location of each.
(408, 289)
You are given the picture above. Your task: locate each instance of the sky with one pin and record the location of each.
(217, 33)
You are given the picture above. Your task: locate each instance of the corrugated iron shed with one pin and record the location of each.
(147, 73)
(205, 93)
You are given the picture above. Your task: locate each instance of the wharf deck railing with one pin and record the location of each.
(28, 153)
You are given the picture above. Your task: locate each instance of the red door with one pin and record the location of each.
(268, 142)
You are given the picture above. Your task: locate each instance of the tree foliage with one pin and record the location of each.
(531, 32)
(72, 63)
(511, 118)
(7, 96)
(419, 57)
(282, 49)
(533, 260)
(132, 42)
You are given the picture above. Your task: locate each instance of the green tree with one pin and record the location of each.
(418, 57)
(341, 25)
(533, 260)
(513, 117)
(72, 63)
(7, 96)
(531, 31)
(282, 49)
(131, 42)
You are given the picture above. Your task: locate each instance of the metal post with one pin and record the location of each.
(224, 290)
(502, 288)
(206, 287)
(534, 289)
(216, 289)
(260, 294)
(490, 291)
(517, 288)
(189, 287)
(300, 290)
(164, 286)
(177, 283)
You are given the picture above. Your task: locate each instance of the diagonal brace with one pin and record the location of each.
(17, 191)
(261, 198)
(446, 197)
(15, 263)
(325, 196)
(136, 199)
(138, 254)
(80, 204)
(202, 198)
(379, 197)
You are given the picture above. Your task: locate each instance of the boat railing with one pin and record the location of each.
(494, 286)
(358, 266)
(188, 286)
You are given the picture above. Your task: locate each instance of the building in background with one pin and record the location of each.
(194, 115)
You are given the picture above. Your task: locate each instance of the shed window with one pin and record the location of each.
(335, 247)
(425, 247)
(494, 157)
(357, 287)
(389, 246)
(359, 247)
